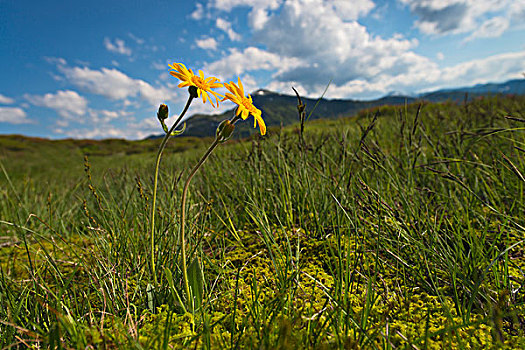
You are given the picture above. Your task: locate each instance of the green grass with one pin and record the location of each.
(401, 231)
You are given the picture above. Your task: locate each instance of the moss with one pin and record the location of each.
(419, 318)
(299, 300)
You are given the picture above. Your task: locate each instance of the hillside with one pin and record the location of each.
(403, 231)
(280, 109)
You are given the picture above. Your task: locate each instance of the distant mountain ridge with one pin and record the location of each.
(280, 109)
(515, 86)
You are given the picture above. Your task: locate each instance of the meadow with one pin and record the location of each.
(399, 228)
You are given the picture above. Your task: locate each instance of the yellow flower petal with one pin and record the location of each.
(245, 105)
(203, 85)
(241, 88)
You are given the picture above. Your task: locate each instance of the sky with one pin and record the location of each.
(99, 69)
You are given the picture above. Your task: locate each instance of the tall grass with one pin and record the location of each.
(400, 228)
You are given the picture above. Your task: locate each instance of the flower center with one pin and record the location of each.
(199, 82)
(248, 105)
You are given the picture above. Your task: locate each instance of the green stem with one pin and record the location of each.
(183, 217)
(155, 182)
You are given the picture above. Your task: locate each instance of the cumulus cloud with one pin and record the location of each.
(115, 85)
(491, 28)
(118, 46)
(198, 13)
(351, 10)
(310, 42)
(458, 16)
(6, 100)
(67, 103)
(250, 59)
(329, 47)
(517, 9)
(207, 43)
(13, 115)
(97, 132)
(493, 68)
(104, 130)
(227, 28)
(259, 9)
(228, 5)
(99, 117)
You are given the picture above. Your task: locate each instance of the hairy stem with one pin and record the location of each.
(155, 183)
(183, 217)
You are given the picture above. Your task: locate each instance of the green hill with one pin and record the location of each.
(281, 109)
(402, 229)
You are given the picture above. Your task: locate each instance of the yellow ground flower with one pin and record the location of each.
(245, 104)
(203, 85)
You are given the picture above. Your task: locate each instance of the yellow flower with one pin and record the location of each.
(203, 85)
(245, 104)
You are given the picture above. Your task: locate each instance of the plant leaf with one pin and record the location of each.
(196, 281)
(149, 292)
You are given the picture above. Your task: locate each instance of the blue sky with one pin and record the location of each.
(98, 69)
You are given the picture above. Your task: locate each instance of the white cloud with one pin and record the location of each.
(118, 47)
(159, 66)
(227, 28)
(517, 9)
(258, 18)
(249, 83)
(310, 42)
(251, 59)
(440, 56)
(206, 43)
(327, 46)
(6, 100)
(198, 13)
(104, 130)
(228, 5)
(165, 76)
(458, 16)
(422, 78)
(67, 104)
(259, 9)
(13, 115)
(352, 10)
(138, 40)
(98, 117)
(115, 85)
(55, 61)
(493, 68)
(491, 28)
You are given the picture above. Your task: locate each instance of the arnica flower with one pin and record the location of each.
(245, 104)
(203, 85)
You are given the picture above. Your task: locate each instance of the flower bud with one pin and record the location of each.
(225, 130)
(301, 107)
(163, 112)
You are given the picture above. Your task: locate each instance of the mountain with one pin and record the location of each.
(280, 109)
(516, 87)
